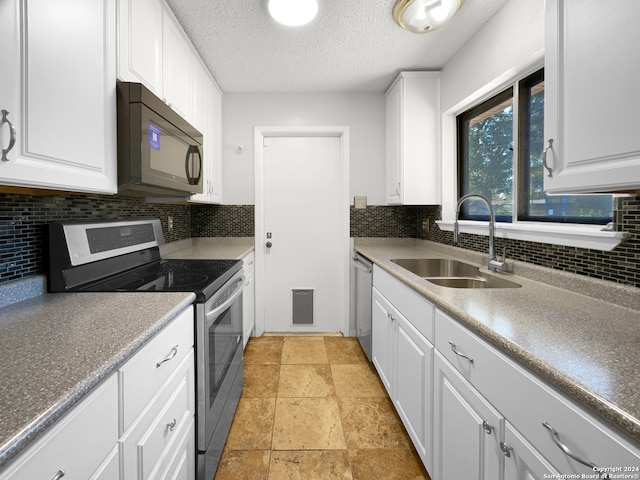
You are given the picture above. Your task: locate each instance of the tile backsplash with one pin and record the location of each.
(23, 219)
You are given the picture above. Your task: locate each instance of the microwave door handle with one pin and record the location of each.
(193, 152)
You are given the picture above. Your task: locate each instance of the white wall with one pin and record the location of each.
(363, 113)
(508, 46)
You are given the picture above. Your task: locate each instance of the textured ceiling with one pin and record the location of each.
(352, 45)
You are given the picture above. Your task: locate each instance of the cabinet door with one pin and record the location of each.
(413, 386)
(523, 461)
(140, 43)
(382, 338)
(393, 143)
(177, 69)
(60, 94)
(590, 109)
(467, 429)
(215, 146)
(80, 444)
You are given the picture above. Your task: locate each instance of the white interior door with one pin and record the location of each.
(303, 210)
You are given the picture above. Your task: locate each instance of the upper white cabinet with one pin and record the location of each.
(57, 87)
(154, 50)
(412, 126)
(591, 71)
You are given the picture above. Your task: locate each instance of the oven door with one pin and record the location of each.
(219, 358)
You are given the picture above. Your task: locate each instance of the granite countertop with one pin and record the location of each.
(216, 248)
(585, 346)
(57, 347)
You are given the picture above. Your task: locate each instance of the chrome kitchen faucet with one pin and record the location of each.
(492, 263)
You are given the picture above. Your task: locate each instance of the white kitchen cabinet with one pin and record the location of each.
(58, 88)
(156, 437)
(467, 429)
(178, 68)
(412, 142)
(81, 444)
(382, 336)
(140, 42)
(526, 401)
(153, 50)
(403, 356)
(208, 114)
(248, 298)
(591, 71)
(522, 461)
(413, 373)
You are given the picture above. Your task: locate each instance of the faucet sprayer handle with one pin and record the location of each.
(456, 232)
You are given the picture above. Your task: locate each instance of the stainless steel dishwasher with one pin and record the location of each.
(364, 279)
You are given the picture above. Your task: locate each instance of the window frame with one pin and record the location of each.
(515, 91)
(572, 235)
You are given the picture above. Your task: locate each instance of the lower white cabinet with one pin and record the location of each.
(382, 339)
(80, 445)
(248, 298)
(467, 429)
(148, 448)
(471, 411)
(138, 424)
(403, 357)
(522, 461)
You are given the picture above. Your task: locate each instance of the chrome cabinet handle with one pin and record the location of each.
(566, 450)
(172, 353)
(398, 189)
(544, 157)
(506, 449)
(172, 425)
(460, 354)
(487, 428)
(12, 139)
(58, 475)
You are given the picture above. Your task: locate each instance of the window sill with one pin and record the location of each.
(582, 236)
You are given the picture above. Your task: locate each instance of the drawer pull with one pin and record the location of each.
(487, 428)
(564, 448)
(172, 353)
(58, 475)
(171, 425)
(506, 449)
(460, 354)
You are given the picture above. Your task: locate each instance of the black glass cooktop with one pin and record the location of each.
(203, 277)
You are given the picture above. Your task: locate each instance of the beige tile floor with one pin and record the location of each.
(314, 408)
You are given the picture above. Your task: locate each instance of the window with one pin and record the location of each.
(500, 144)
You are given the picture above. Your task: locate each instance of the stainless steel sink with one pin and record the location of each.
(452, 273)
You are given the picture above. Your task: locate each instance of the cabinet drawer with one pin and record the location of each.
(144, 374)
(249, 262)
(526, 401)
(77, 444)
(152, 442)
(417, 309)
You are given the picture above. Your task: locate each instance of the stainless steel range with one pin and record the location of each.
(124, 256)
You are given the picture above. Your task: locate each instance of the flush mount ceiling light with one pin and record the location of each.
(293, 13)
(423, 16)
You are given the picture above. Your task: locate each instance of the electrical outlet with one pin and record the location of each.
(360, 202)
(170, 224)
(425, 225)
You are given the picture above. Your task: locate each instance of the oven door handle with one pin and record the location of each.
(213, 314)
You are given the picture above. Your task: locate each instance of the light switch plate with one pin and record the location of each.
(360, 202)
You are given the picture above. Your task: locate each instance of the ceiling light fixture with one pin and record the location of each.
(293, 13)
(423, 16)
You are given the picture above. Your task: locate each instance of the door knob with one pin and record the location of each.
(268, 244)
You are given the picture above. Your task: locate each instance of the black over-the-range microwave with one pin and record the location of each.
(159, 152)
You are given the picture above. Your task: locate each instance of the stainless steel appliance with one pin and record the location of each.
(123, 256)
(159, 152)
(364, 280)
